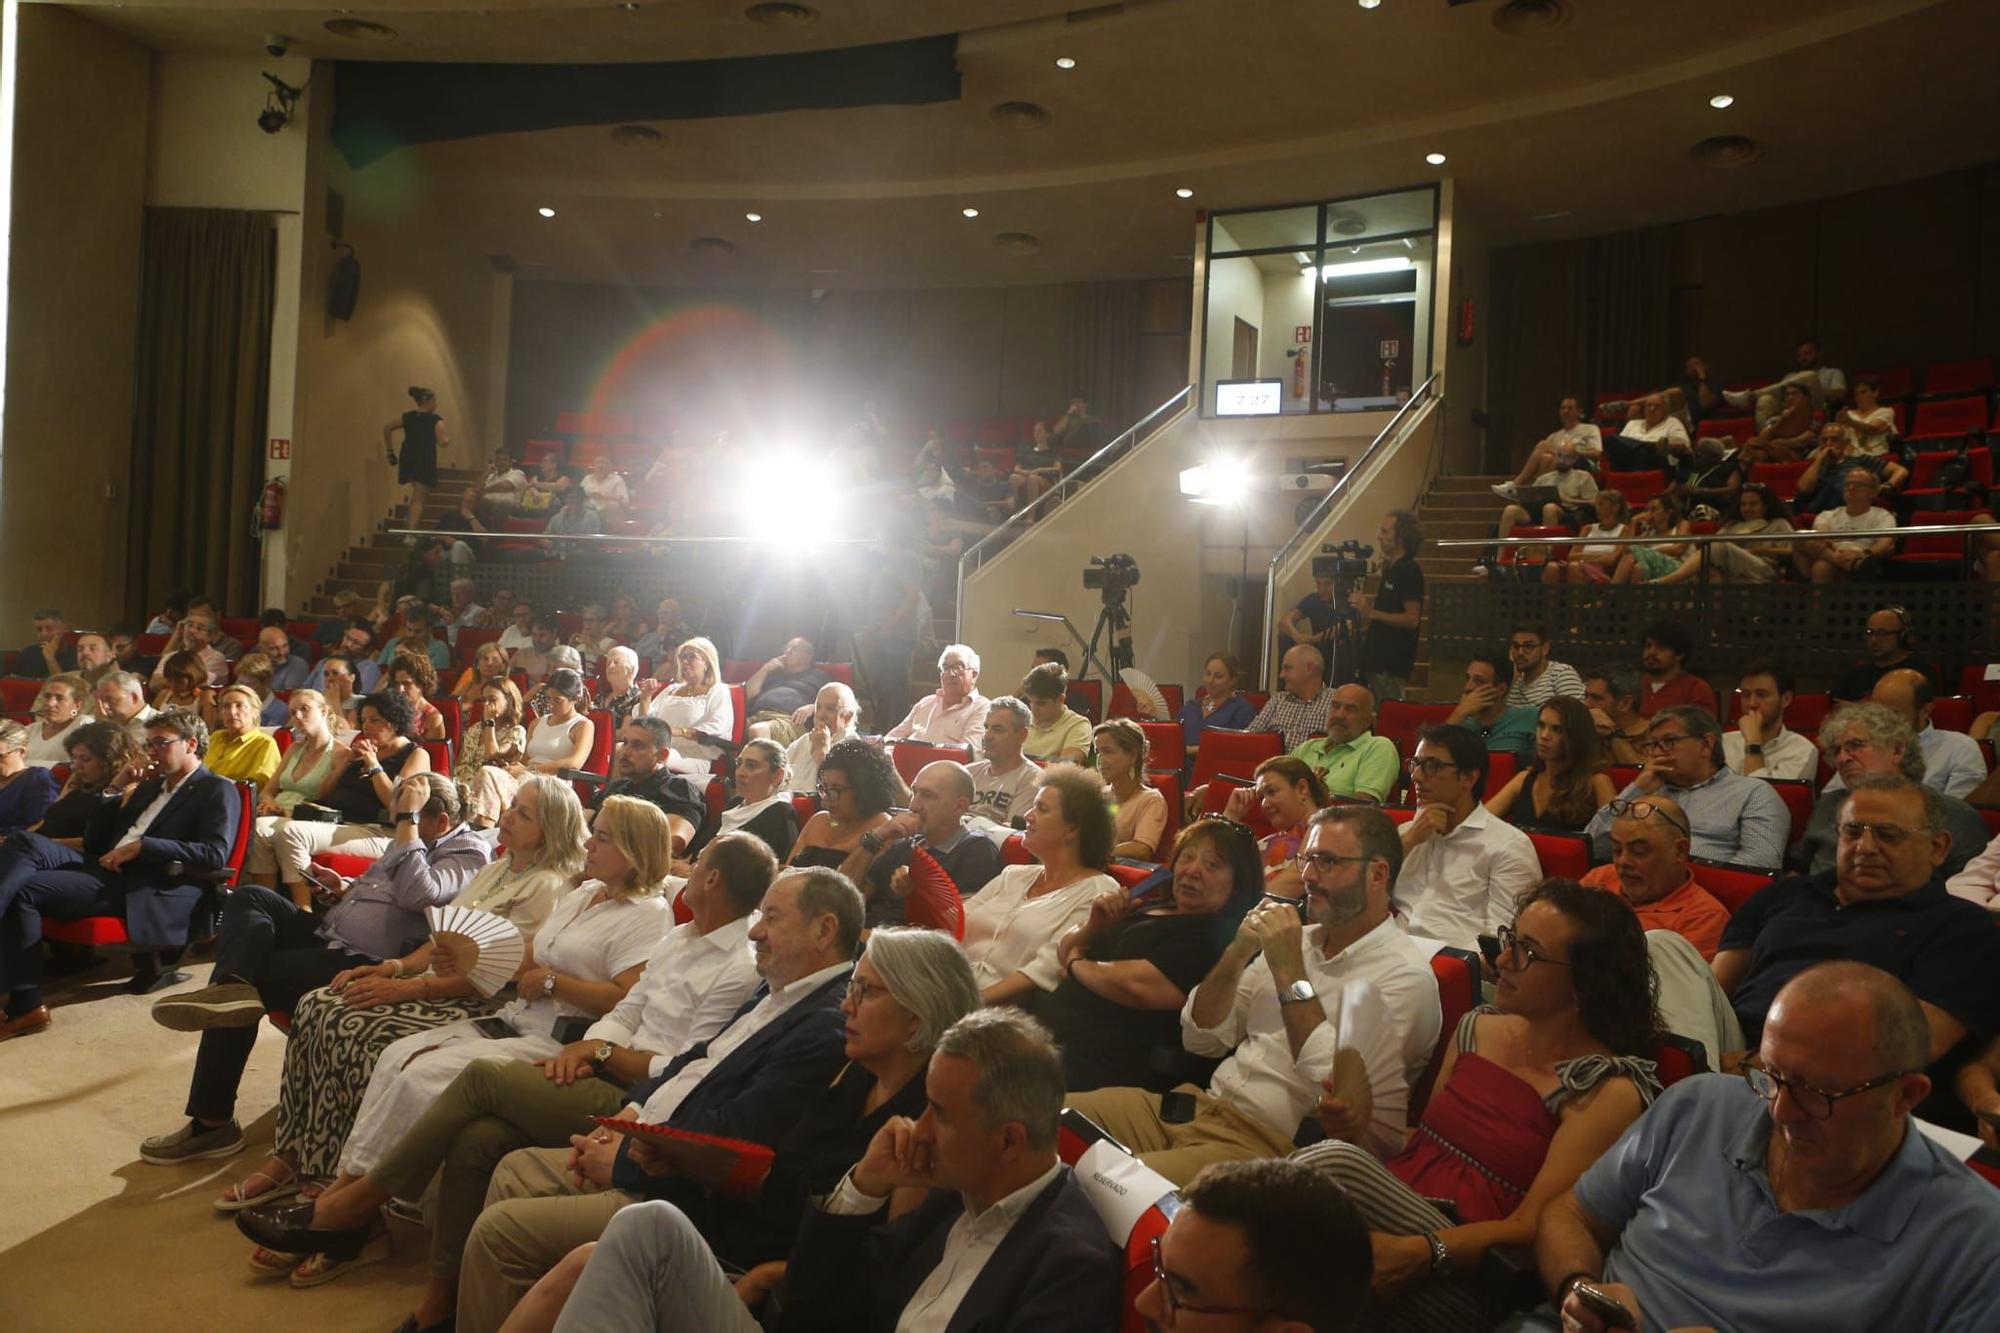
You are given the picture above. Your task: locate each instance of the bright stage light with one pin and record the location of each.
(1219, 481)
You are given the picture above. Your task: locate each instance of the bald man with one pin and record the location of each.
(1298, 710)
(1952, 761)
(1351, 759)
(1763, 1202)
(1650, 870)
(935, 821)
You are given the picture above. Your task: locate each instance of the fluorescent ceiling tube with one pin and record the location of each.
(1358, 266)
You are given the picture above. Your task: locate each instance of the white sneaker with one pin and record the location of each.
(1480, 571)
(1736, 397)
(1507, 490)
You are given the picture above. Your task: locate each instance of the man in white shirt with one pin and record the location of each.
(1852, 546)
(1003, 783)
(1463, 866)
(1762, 746)
(1537, 679)
(1349, 1004)
(500, 489)
(834, 710)
(1581, 436)
(465, 612)
(1575, 489)
(520, 631)
(1824, 385)
(1650, 439)
(121, 699)
(956, 714)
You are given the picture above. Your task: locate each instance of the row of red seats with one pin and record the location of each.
(1965, 376)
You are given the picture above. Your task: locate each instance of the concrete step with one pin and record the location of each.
(1463, 485)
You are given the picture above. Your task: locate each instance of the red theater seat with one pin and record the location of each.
(1234, 752)
(1457, 972)
(1732, 886)
(1972, 375)
(911, 756)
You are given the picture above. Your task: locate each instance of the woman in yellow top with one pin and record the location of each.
(239, 749)
(1060, 734)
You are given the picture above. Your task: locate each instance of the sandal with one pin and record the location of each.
(266, 1262)
(320, 1268)
(239, 1196)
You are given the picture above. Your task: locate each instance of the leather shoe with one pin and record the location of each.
(288, 1227)
(26, 1025)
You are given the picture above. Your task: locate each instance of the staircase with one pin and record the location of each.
(1453, 507)
(364, 567)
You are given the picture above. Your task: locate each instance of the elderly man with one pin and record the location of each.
(1463, 865)
(121, 699)
(1687, 1220)
(1537, 679)
(48, 655)
(1271, 1004)
(1351, 759)
(1663, 655)
(1649, 869)
(1823, 484)
(1733, 819)
(519, 631)
(355, 639)
(1483, 710)
(780, 689)
(670, 629)
(956, 713)
(195, 634)
(270, 952)
(1649, 439)
(1860, 739)
(1761, 747)
(465, 612)
(1612, 695)
(639, 769)
(829, 721)
(1565, 490)
(1298, 710)
(1851, 542)
(288, 671)
(1004, 782)
(1953, 762)
(935, 821)
(1887, 639)
(1883, 903)
(1003, 1238)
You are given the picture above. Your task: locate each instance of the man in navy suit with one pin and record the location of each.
(162, 828)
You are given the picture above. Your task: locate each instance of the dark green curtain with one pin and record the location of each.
(200, 403)
(1584, 316)
(1101, 349)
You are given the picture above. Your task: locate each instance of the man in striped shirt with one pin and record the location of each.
(1536, 679)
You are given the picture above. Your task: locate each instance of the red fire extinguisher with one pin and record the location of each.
(271, 509)
(1299, 359)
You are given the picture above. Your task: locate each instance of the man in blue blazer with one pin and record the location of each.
(160, 831)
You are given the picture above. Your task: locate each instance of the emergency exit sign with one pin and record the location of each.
(1302, 334)
(1391, 349)
(281, 448)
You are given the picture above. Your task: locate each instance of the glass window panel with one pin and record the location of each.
(1261, 231)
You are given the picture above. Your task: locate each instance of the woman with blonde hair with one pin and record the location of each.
(304, 774)
(239, 748)
(1138, 810)
(257, 671)
(59, 708)
(696, 704)
(489, 667)
(340, 1031)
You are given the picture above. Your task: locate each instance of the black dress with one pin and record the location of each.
(419, 460)
(1521, 812)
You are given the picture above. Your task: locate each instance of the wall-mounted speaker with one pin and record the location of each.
(343, 285)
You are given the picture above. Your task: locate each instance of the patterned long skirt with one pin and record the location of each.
(332, 1051)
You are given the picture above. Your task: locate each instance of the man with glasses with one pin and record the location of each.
(1887, 639)
(1860, 739)
(196, 634)
(1799, 1195)
(1953, 762)
(1649, 869)
(1537, 679)
(353, 647)
(1851, 544)
(935, 822)
(1351, 759)
(1298, 710)
(164, 822)
(1279, 1002)
(1273, 1243)
(1733, 819)
(828, 721)
(956, 713)
(1464, 866)
(1884, 903)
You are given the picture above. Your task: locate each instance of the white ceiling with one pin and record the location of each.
(1247, 102)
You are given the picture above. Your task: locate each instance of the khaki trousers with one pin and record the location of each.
(533, 1217)
(1218, 1132)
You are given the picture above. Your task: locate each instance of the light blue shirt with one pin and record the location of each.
(1738, 821)
(1701, 1240)
(293, 674)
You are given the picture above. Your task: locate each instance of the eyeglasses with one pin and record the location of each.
(859, 990)
(1814, 1102)
(1430, 768)
(1641, 808)
(1656, 744)
(1523, 953)
(953, 669)
(1322, 863)
(1176, 1306)
(157, 743)
(1886, 835)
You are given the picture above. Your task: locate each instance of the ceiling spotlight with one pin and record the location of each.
(1722, 101)
(753, 217)
(1435, 159)
(970, 212)
(1369, 4)
(279, 104)
(1184, 193)
(1065, 62)
(546, 211)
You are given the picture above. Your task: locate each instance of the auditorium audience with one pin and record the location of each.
(1533, 1089)
(1482, 707)
(1650, 869)
(1565, 784)
(1649, 439)
(1847, 550)
(183, 683)
(1219, 703)
(1536, 678)
(1711, 479)
(1580, 437)
(781, 687)
(1128, 967)
(364, 779)
(1463, 867)
(26, 790)
(1663, 654)
(935, 822)
(1297, 712)
(490, 747)
(1353, 762)
(239, 748)
(1059, 733)
(1762, 746)
(695, 705)
(50, 653)
(1953, 761)
(1863, 739)
(1575, 491)
(1138, 810)
(489, 667)
(97, 751)
(832, 719)
(1271, 1005)
(1787, 434)
(352, 648)
(956, 713)
(857, 788)
(304, 773)
(60, 710)
(1612, 694)
(1823, 484)
(1733, 819)
(1756, 509)
(253, 672)
(1669, 1221)
(561, 737)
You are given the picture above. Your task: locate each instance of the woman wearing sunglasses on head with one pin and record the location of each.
(762, 807)
(1533, 1089)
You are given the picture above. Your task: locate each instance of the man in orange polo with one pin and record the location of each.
(1649, 869)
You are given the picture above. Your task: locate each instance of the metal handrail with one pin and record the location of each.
(1086, 471)
(1312, 520)
(1710, 538)
(615, 540)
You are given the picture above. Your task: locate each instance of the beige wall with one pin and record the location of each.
(1470, 267)
(79, 193)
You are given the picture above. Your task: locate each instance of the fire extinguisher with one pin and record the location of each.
(271, 508)
(1300, 357)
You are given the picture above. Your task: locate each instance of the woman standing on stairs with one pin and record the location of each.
(423, 435)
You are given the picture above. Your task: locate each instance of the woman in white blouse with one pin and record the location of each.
(697, 702)
(1012, 926)
(59, 712)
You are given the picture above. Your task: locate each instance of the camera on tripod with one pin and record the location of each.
(1110, 574)
(1344, 563)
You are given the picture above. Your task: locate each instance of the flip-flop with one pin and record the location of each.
(316, 1269)
(234, 1200)
(266, 1262)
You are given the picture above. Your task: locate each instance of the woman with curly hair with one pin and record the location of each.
(1566, 784)
(857, 785)
(413, 676)
(1533, 1089)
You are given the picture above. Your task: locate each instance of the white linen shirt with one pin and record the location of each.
(799, 761)
(712, 713)
(1787, 755)
(666, 1098)
(592, 945)
(1459, 885)
(692, 984)
(1380, 988)
(963, 723)
(1006, 931)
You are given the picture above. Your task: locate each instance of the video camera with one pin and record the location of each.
(1344, 563)
(1110, 574)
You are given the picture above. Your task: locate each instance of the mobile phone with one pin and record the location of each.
(1604, 1305)
(1176, 1108)
(1489, 949)
(493, 1027)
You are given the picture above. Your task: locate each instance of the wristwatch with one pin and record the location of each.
(1439, 1254)
(549, 983)
(1298, 991)
(1753, 749)
(406, 817)
(871, 843)
(602, 1055)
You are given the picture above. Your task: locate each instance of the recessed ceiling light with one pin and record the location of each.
(1184, 193)
(1065, 62)
(1722, 101)
(546, 211)
(1435, 159)
(1369, 4)
(753, 217)
(970, 212)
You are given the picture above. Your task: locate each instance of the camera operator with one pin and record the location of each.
(1391, 615)
(1315, 620)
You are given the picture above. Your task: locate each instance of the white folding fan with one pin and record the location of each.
(486, 947)
(1152, 703)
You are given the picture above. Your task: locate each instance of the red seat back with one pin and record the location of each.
(1953, 712)
(18, 695)
(1972, 375)
(1636, 487)
(1797, 794)
(1238, 752)
(1168, 782)
(840, 671)
(469, 641)
(736, 670)
(1536, 555)
(1622, 775)
(1563, 854)
(1732, 886)
(911, 756)
(1401, 722)
(1677, 1058)
(1014, 852)
(1166, 744)
(440, 753)
(1782, 478)
(1985, 693)
(1501, 766)
(1457, 973)
(448, 710)
(740, 727)
(1950, 416)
